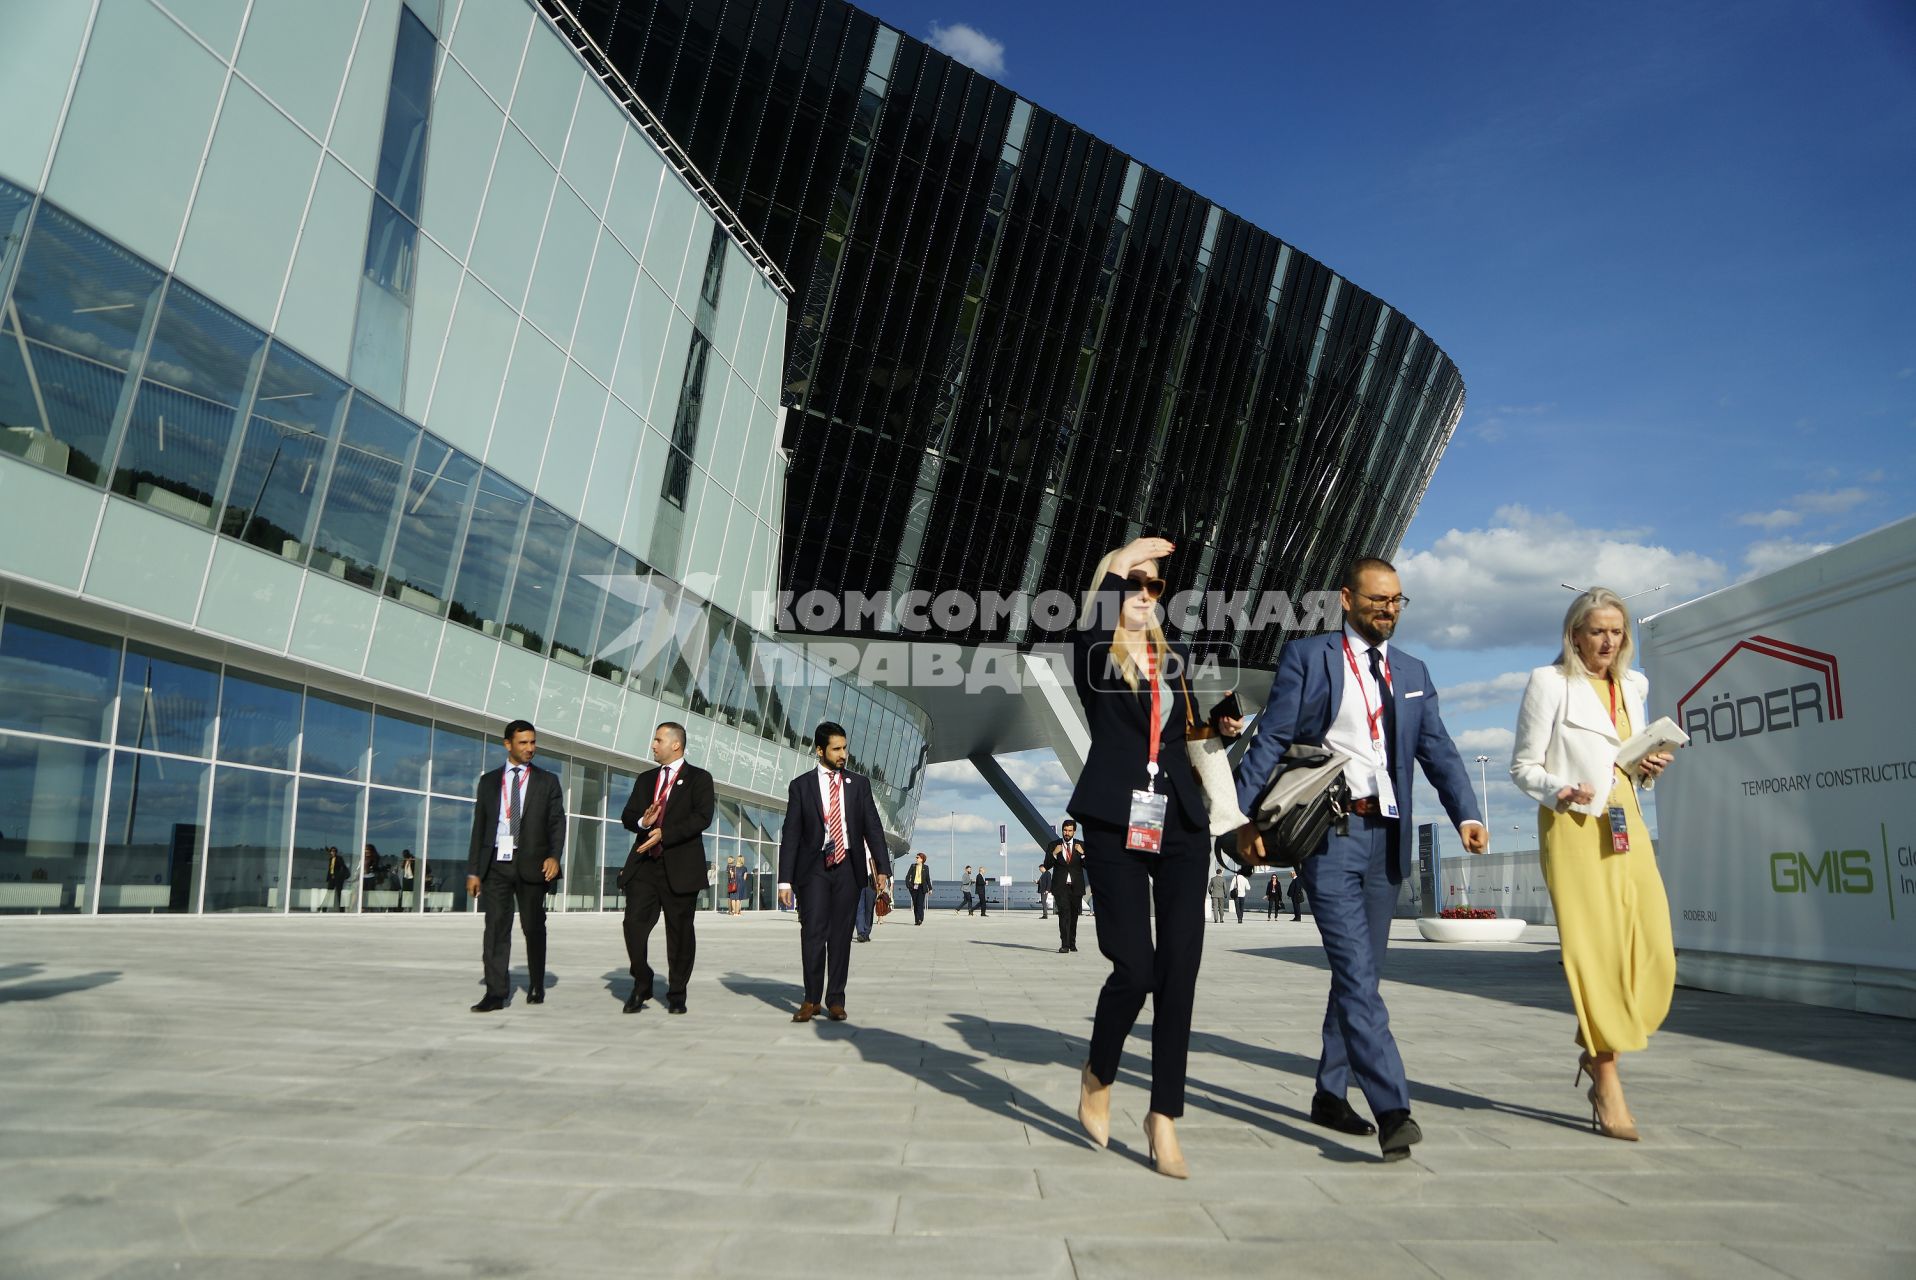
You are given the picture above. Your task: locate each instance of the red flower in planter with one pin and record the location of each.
(1466, 913)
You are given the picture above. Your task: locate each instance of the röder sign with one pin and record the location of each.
(1782, 828)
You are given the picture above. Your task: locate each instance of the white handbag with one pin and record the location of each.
(1207, 749)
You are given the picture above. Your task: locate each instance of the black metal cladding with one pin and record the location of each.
(1011, 347)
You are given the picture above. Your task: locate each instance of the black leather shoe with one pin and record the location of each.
(1335, 1113)
(491, 1004)
(1064, 951)
(634, 1002)
(1396, 1132)
(674, 1006)
(536, 996)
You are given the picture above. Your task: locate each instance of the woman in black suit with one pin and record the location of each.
(1123, 667)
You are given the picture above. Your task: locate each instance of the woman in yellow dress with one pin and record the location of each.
(1613, 919)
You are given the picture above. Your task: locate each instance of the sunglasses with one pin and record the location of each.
(1151, 587)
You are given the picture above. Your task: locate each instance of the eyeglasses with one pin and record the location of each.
(1387, 602)
(1151, 587)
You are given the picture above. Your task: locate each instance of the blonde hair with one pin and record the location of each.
(1569, 661)
(1124, 649)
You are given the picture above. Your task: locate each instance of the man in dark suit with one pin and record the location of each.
(831, 828)
(981, 892)
(668, 812)
(518, 840)
(1065, 862)
(1353, 692)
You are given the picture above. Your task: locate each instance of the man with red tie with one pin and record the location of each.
(518, 841)
(1065, 862)
(668, 812)
(831, 827)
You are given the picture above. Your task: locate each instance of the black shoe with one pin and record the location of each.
(536, 996)
(634, 1002)
(1064, 950)
(674, 1006)
(1396, 1132)
(491, 1004)
(1335, 1113)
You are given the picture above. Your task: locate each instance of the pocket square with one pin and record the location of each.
(1416, 693)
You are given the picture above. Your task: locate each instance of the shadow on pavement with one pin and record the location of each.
(48, 988)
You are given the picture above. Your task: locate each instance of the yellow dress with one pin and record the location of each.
(1613, 919)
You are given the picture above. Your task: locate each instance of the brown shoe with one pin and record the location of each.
(836, 1012)
(805, 1012)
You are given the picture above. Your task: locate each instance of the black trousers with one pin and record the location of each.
(499, 893)
(648, 896)
(828, 902)
(1128, 886)
(918, 905)
(1069, 905)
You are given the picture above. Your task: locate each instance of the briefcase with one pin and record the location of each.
(1295, 811)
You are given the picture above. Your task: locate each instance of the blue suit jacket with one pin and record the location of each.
(1304, 701)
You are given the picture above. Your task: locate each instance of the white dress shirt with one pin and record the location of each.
(825, 777)
(1350, 728)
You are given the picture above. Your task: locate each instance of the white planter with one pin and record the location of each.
(1498, 930)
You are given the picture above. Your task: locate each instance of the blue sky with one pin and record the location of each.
(1672, 247)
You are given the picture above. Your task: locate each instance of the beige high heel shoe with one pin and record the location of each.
(1623, 1130)
(1161, 1139)
(1094, 1107)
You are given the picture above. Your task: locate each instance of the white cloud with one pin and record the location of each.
(953, 772)
(962, 823)
(970, 46)
(1481, 695)
(1494, 742)
(1771, 521)
(1832, 502)
(1495, 587)
(1776, 553)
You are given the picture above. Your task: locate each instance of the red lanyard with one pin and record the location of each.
(1372, 719)
(505, 793)
(1149, 664)
(1611, 686)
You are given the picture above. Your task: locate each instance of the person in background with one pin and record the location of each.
(965, 904)
(1297, 897)
(336, 874)
(918, 884)
(735, 886)
(1044, 893)
(1273, 896)
(1066, 867)
(1613, 918)
(1219, 889)
(980, 887)
(1240, 890)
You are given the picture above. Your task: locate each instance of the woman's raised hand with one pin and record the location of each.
(1139, 551)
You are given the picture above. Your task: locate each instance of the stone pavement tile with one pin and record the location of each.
(90, 1266)
(724, 1211)
(1844, 1162)
(346, 1157)
(507, 1245)
(1618, 1260)
(1096, 1259)
(987, 1129)
(1833, 1262)
(200, 1268)
(337, 1124)
(257, 1232)
(631, 1168)
(1254, 1221)
(1610, 1157)
(1012, 1155)
(82, 1229)
(385, 1195)
(75, 1146)
(1139, 1215)
(851, 1257)
(1383, 1186)
(798, 1174)
(744, 1146)
(1705, 1224)
(1780, 1189)
(1121, 1179)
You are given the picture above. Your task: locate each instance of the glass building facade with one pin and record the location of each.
(379, 382)
(1013, 347)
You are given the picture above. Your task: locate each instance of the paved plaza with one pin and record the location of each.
(241, 1097)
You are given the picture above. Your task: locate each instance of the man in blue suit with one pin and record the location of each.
(1351, 691)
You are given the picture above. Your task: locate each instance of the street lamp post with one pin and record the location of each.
(1483, 776)
(951, 871)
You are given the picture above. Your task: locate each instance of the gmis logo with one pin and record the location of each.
(1785, 701)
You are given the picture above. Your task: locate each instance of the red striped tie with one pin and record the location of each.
(835, 821)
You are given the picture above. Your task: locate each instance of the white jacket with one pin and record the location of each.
(1564, 736)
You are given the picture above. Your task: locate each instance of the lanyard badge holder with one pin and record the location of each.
(1619, 820)
(1145, 831)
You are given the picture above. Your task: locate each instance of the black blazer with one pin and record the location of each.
(1068, 878)
(1120, 722)
(541, 823)
(801, 845)
(687, 814)
(906, 876)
